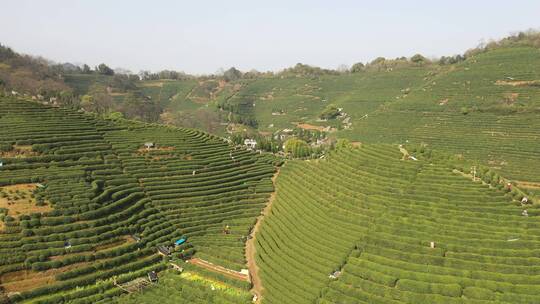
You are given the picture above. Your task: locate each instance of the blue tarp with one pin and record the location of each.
(180, 242)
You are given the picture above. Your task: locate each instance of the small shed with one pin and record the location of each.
(524, 200)
(180, 241)
(163, 250)
(152, 276)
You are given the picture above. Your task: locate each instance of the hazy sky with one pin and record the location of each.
(202, 36)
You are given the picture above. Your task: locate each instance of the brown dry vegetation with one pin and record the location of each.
(21, 202)
(306, 126)
(19, 152)
(528, 185)
(219, 269)
(23, 280)
(510, 98)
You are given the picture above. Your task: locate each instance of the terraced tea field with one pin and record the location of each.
(508, 143)
(394, 231)
(102, 201)
(89, 208)
(485, 108)
(186, 288)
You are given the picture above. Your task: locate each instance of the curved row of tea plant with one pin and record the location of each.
(372, 216)
(111, 201)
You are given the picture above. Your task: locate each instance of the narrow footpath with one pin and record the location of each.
(219, 269)
(250, 245)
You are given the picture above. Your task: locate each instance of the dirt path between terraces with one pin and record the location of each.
(219, 269)
(250, 246)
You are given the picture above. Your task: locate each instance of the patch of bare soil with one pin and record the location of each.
(528, 185)
(443, 102)
(306, 126)
(219, 269)
(23, 280)
(19, 151)
(510, 98)
(20, 200)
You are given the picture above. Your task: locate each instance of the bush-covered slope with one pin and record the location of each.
(372, 216)
(104, 190)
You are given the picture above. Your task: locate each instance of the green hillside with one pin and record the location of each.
(484, 108)
(472, 109)
(372, 216)
(84, 204)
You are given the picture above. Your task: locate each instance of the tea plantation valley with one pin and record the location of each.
(404, 180)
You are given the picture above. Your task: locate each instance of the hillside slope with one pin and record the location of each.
(485, 108)
(83, 201)
(372, 216)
